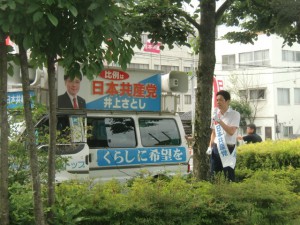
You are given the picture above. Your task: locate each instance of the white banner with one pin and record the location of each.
(226, 158)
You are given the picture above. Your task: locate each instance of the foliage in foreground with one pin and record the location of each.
(265, 198)
(276, 157)
(269, 155)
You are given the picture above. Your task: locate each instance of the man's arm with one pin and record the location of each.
(212, 137)
(227, 128)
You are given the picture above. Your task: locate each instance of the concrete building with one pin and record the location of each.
(180, 58)
(267, 75)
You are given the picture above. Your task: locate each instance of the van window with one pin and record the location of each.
(159, 132)
(111, 132)
(63, 128)
(68, 140)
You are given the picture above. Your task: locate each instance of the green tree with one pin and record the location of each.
(79, 35)
(241, 85)
(244, 109)
(253, 16)
(270, 17)
(167, 22)
(72, 33)
(13, 23)
(4, 131)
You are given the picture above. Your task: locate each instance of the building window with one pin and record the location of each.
(114, 64)
(290, 56)
(187, 99)
(283, 96)
(228, 62)
(178, 100)
(187, 69)
(253, 94)
(258, 130)
(144, 38)
(243, 94)
(156, 67)
(297, 96)
(138, 66)
(168, 69)
(257, 94)
(287, 131)
(246, 58)
(260, 58)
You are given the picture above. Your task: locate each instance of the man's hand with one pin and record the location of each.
(216, 118)
(208, 151)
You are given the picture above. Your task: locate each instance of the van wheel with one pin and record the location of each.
(161, 177)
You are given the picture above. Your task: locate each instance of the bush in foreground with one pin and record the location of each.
(264, 198)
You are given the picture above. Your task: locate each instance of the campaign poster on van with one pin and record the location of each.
(140, 156)
(112, 90)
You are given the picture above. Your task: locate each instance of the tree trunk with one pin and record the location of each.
(52, 130)
(4, 132)
(205, 74)
(36, 185)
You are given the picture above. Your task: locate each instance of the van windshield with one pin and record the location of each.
(159, 132)
(112, 132)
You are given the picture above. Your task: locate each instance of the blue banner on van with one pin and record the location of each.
(144, 95)
(140, 156)
(15, 99)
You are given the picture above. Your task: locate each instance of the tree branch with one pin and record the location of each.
(222, 9)
(188, 18)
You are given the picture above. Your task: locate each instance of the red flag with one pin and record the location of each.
(217, 86)
(7, 41)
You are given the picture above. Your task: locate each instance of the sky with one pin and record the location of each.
(196, 2)
(190, 9)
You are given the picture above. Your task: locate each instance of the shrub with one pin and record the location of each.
(21, 204)
(269, 155)
(263, 198)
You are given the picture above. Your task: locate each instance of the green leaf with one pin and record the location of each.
(11, 17)
(3, 7)
(12, 4)
(27, 42)
(37, 16)
(52, 19)
(32, 8)
(5, 27)
(73, 10)
(99, 19)
(93, 6)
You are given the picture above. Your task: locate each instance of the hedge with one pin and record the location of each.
(264, 198)
(269, 155)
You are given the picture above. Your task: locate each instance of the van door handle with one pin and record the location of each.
(88, 159)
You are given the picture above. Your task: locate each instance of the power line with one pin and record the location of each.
(174, 58)
(258, 66)
(273, 82)
(260, 73)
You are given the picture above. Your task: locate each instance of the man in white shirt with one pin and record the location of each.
(227, 122)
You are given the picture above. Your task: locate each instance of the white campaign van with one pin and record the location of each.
(129, 126)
